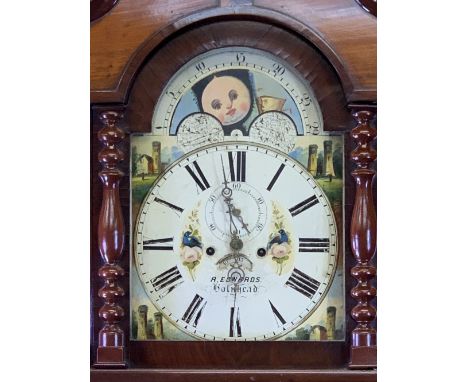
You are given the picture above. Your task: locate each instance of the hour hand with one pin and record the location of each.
(237, 213)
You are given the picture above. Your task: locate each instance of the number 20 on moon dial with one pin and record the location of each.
(236, 242)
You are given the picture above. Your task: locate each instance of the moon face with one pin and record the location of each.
(227, 99)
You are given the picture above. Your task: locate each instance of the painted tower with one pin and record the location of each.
(331, 319)
(328, 159)
(318, 333)
(158, 326)
(142, 323)
(156, 155)
(312, 163)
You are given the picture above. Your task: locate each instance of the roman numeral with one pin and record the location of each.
(303, 283)
(275, 178)
(170, 205)
(158, 244)
(200, 180)
(194, 311)
(238, 168)
(309, 244)
(277, 314)
(167, 281)
(304, 205)
(234, 323)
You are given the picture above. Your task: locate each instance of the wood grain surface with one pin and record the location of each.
(341, 29)
(110, 234)
(98, 8)
(233, 375)
(363, 237)
(135, 49)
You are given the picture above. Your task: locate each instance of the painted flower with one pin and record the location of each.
(190, 255)
(279, 251)
(279, 254)
(190, 258)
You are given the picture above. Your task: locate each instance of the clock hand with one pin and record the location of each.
(235, 243)
(232, 225)
(225, 180)
(227, 193)
(237, 213)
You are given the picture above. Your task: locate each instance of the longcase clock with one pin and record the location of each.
(233, 215)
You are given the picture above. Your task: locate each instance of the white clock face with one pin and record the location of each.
(237, 93)
(236, 241)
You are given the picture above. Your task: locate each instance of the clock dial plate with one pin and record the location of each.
(292, 289)
(236, 294)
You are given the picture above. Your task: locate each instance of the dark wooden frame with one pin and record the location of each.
(99, 8)
(161, 63)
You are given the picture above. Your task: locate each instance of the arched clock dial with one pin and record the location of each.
(244, 91)
(236, 241)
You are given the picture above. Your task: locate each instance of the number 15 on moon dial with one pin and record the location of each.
(236, 242)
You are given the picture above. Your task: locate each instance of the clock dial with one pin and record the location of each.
(237, 93)
(236, 241)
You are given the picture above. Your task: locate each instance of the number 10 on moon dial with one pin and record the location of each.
(236, 242)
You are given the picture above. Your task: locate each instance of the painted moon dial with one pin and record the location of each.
(236, 241)
(236, 87)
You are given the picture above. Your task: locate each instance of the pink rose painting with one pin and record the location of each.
(279, 249)
(190, 257)
(191, 246)
(279, 246)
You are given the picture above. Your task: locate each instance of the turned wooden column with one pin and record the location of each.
(363, 237)
(110, 352)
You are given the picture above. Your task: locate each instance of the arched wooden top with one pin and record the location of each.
(340, 29)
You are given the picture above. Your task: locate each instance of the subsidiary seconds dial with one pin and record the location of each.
(236, 242)
(248, 210)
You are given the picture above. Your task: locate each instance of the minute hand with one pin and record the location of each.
(227, 194)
